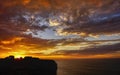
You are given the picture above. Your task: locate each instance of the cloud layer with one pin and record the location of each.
(73, 21)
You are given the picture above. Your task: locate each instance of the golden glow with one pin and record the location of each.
(12, 40)
(83, 34)
(26, 2)
(77, 56)
(54, 23)
(18, 54)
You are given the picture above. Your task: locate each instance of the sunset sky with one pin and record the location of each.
(60, 28)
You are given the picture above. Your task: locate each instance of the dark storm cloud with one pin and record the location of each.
(15, 15)
(19, 16)
(91, 17)
(96, 26)
(11, 41)
(96, 50)
(82, 17)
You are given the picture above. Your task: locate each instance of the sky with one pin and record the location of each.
(60, 28)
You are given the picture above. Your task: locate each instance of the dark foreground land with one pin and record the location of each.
(27, 66)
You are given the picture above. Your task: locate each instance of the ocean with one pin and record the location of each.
(88, 67)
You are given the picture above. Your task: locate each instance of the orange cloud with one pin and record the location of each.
(26, 1)
(12, 41)
(22, 20)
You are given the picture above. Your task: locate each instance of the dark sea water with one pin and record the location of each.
(89, 67)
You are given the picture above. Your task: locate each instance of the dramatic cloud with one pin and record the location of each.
(96, 50)
(92, 20)
(98, 17)
(42, 27)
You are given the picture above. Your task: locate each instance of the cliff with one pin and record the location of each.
(27, 66)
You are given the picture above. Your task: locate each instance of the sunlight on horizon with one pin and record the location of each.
(18, 54)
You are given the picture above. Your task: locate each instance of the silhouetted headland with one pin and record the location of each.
(27, 66)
